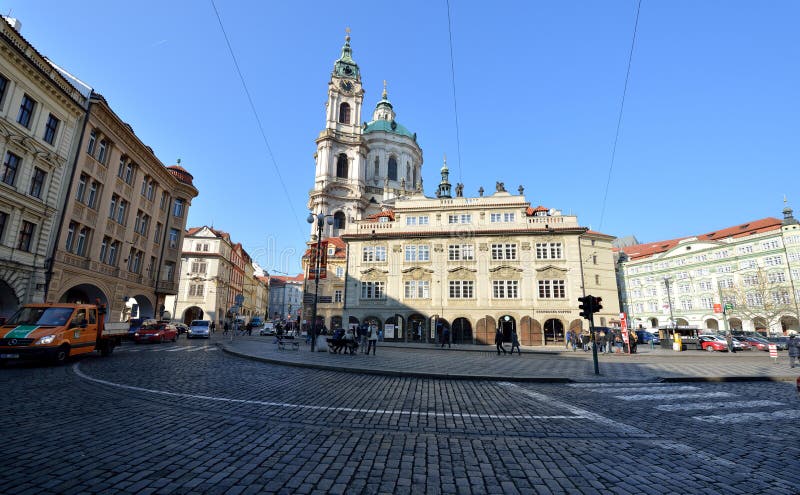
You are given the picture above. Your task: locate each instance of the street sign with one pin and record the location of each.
(718, 308)
(728, 306)
(623, 323)
(325, 299)
(239, 299)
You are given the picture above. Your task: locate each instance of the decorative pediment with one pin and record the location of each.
(506, 267)
(417, 269)
(374, 274)
(551, 267)
(551, 272)
(463, 269)
(417, 273)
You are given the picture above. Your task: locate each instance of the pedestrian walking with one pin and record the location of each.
(568, 339)
(372, 339)
(225, 328)
(213, 326)
(498, 341)
(794, 350)
(445, 337)
(729, 340)
(515, 342)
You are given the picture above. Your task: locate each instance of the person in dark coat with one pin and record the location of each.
(794, 350)
(515, 342)
(498, 341)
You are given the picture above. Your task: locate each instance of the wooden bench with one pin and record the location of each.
(285, 343)
(335, 346)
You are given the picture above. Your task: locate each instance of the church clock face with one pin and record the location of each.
(346, 86)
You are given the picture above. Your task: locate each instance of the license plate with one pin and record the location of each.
(9, 356)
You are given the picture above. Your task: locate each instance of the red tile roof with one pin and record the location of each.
(531, 211)
(746, 229)
(386, 213)
(340, 251)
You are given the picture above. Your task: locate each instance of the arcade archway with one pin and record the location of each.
(192, 313)
(416, 328)
(88, 294)
(462, 331)
(507, 324)
(553, 331)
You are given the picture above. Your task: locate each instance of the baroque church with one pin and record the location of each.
(361, 167)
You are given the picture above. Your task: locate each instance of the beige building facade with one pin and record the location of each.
(473, 265)
(41, 115)
(123, 222)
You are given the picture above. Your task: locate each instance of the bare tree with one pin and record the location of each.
(760, 295)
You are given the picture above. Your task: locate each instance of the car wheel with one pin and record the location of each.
(175, 338)
(161, 340)
(61, 355)
(710, 348)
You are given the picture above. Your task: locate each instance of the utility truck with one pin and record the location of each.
(56, 331)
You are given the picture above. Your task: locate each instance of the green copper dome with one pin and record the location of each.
(386, 126)
(345, 66)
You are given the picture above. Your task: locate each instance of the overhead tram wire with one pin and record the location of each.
(258, 120)
(619, 118)
(453, 80)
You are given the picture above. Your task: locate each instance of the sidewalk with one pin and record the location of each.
(536, 364)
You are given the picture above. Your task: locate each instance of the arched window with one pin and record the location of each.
(377, 172)
(392, 169)
(338, 222)
(408, 171)
(344, 113)
(341, 166)
(415, 177)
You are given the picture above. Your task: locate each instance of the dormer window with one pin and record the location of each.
(344, 113)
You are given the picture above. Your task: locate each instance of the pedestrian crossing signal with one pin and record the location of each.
(586, 307)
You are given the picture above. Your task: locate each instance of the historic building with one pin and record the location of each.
(123, 221)
(473, 265)
(214, 271)
(41, 115)
(360, 165)
(745, 277)
(285, 297)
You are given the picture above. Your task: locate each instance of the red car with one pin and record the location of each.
(756, 343)
(712, 343)
(155, 332)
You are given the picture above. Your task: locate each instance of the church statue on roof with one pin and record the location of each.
(360, 166)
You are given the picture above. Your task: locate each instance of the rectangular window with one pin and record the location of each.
(3, 222)
(26, 236)
(151, 190)
(26, 111)
(137, 221)
(51, 128)
(91, 200)
(129, 169)
(726, 283)
(501, 217)
(151, 268)
(144, 227)
(177, 210)
(745, 249)
(337, 296)
(372, 290)
(199, 267)
(418, 253)
(104, 249)
(37, 182)
(70, 241)
(504, 251)
(3, 87)
(112, 209)
(144, 185)
(123, 160)
(83, 241)
(417, 289)
(686, 304)
(122, 211)
(159, 229)
(505, 289)
(173, 238)
(776, 277)
(339, 272)
(773, 260)
(92, 143)
(552, 289)
(113, 252)
(373, 253)
(548, 250)
(196, 290)
(10, 167)
(81, 189)
(460, 218)
(102, 151)
(460, 252)
(770, 244)
(163, 204)
(462, 289)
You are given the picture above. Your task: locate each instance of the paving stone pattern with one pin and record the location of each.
(150, 420)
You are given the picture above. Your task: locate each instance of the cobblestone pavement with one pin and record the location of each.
(543, 363)
(189, 418)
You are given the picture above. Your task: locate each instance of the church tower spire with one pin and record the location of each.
(444, 187)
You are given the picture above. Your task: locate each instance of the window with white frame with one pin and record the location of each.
(548, 250)
(502, 217)
(706, 302)
(459, 218)
(339, 272)
(337, 296)
(373, 290)
(196, 290)
(794, 255)
(417, 289)
(460, 252)
(725, 269)
(745, 249)
(704, 285)
(652, 306)
(421, 252)
(754, 299)
(504, 251)
(652, 291)
(684, 288)
(686, 304)
(373, 253)
(199, 267)
(552, 289)
(750, 279)
(505, 289)
(770, 244)
(773, 260)
(781, 297)
(462, 289)
(421, 220)
(745, 264)
(776, 277)
(726, 283)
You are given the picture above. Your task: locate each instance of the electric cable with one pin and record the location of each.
(453, 81)
(619, 118)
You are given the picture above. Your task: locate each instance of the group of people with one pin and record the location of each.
(499, 338)
(608, 341)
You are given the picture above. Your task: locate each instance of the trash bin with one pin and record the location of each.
(677, 345)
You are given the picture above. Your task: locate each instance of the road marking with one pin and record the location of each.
(742, 417)
(705, 406)
(76, 369)
(616, 390)
(176, 349)
(699, 395)
(618, 384)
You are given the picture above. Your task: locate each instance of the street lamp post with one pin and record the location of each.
(320, 219)
(669, 301)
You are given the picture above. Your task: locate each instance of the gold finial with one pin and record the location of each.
(384, 88)
(445, 158)
(179, 161)
(347, 33)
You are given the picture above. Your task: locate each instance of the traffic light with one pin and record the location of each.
(596, 306)
(585, 306)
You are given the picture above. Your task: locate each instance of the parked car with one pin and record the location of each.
(267, 329)
(712, 343)
(645, 337)
(199, 329)
(156, 332)
(256, 322)
(757, 343)
(182, 327)
(782, 343)
(741, 345)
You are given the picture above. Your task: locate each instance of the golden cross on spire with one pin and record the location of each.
(384, 88)
(347, 33)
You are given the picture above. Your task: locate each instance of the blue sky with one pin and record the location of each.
(709, 134)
